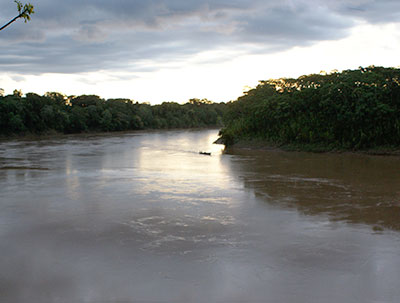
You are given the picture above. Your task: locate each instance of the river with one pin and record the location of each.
(143, 217)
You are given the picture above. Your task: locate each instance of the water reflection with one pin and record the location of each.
(142, 217)
(348, 187)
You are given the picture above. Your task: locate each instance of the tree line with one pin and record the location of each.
(89, 113)
(353, 109)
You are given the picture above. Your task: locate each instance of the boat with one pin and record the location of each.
(205, 153)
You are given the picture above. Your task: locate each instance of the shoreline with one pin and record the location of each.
(55, 134)
(263, 145)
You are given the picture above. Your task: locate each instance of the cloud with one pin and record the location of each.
(371, 11)
(18, 78)
(83, 36)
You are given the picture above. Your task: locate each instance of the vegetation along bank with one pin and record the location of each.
(351, 110)
(54, 112)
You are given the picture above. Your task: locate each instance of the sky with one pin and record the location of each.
(173, 50)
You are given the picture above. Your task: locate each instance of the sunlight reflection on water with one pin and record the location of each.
(144, 217)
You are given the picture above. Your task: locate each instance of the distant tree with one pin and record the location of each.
(197, 101)
(106, 120)
(24, 10)
(86, 100)
(58, 98)
(17, 92)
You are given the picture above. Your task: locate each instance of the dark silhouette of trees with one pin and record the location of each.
(56, 112)
(354, 109)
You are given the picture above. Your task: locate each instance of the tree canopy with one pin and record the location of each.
(74, 114)
(354, 109)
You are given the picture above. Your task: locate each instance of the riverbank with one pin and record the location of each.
(352, 111)
(32, 136)
(54, 134)
(260, 144)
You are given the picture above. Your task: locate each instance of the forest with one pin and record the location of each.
(351, 110)
(55, 112)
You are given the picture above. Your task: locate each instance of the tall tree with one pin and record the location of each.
(24, 10)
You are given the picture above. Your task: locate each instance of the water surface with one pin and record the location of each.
(142, 217)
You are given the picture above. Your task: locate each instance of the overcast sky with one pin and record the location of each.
(173, 50)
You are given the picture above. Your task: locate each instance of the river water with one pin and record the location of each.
(143, 217)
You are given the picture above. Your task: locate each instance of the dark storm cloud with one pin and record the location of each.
(372, 11)
(88, 35)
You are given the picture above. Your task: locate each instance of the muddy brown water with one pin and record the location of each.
(143, 217)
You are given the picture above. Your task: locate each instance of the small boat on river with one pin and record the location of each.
(205, 153)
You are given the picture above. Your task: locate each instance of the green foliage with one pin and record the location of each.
(56, 112)
(12, 115)
(354, 109)
(25, 10)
